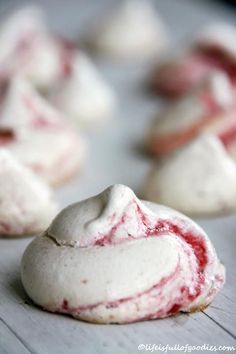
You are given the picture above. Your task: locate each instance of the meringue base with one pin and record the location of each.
(111, 319)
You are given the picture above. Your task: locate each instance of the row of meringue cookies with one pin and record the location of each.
(194, 136)
(48, 90)
(49, 87)
(55, 66)
(173, 266)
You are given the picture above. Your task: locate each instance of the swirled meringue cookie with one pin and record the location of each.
(208, 108)
(198, 179)
(26, 203)
(115, 259)
(27, 47)
(213, 49)
(84, 95)
(132, 31)
(37, 135)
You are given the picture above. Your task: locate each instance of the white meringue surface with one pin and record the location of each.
(85, 96)
(54, 155)
(198, 179)
(41, 138)
(26, 203)
(44, 65)
(115, 259)
(132, 31)
(23, 106)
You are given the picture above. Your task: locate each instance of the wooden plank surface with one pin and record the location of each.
(223, 234)
(114, 157)
(10, 342)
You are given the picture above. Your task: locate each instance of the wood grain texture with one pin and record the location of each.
(114, 157)
(9, 342)
(222, 232)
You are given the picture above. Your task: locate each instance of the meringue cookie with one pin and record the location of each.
(84, 95)
(115, 259)
(37, 134)
(26, 204)
(213, 49)
(198, 179)
(27, 47)
(132, 31)
(206, 108)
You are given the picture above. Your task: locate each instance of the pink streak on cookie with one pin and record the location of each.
(66, 52)
(39, 120)
(167, 143)
(178, 77)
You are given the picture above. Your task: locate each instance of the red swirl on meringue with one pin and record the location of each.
(115, 259)
(213, 49)
(209, 108)
(38, 135)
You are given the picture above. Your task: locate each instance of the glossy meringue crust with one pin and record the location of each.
(135, 262)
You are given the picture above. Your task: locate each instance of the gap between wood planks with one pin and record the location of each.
(219, 325)
(21, 340)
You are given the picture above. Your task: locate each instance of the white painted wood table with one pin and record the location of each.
(114, 158)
